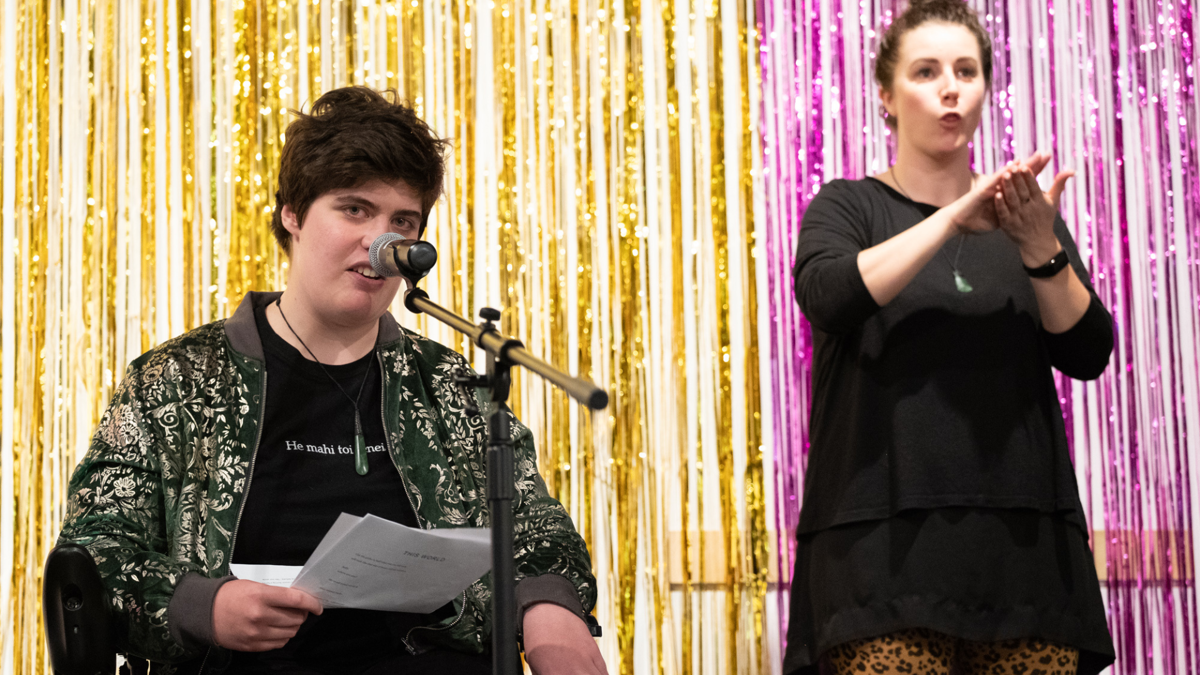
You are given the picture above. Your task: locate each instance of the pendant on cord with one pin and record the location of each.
(961, 284)
(360, 447)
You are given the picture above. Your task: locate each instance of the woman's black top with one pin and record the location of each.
(940, 491)
(939, 398)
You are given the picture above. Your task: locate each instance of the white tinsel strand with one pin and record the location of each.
(8, 261)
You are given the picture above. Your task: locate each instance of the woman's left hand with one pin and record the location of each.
(1026, 214)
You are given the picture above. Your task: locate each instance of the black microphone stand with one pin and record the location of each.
(503, 353)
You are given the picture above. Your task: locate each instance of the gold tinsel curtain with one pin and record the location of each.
(604, 191)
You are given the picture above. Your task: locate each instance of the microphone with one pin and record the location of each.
(394, 256)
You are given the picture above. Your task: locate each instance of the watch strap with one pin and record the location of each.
(1051, 268)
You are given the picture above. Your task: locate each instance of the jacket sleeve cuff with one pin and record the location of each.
(190, 611)
(552, 588)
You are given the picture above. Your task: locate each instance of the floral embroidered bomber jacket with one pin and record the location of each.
(157, 499)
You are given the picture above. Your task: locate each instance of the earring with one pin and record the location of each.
(883, 113)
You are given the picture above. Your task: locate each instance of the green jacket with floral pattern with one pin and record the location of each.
(158, 497)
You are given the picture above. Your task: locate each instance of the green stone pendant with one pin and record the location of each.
(961, 284)
(360, 454)
(360, 447)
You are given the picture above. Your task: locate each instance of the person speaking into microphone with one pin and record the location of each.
(215, 447)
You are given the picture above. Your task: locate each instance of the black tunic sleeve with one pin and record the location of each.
(828, 285)
(1082, 351)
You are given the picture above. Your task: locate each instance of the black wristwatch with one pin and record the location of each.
(1056, 264)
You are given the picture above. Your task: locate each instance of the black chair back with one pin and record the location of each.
(76, 613)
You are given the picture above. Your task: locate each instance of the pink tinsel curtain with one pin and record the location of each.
(1109, 87)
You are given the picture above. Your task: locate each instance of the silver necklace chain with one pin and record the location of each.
(959, 281)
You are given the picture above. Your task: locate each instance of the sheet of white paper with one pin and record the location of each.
(271, 575)
(381, 565)
(340, 527)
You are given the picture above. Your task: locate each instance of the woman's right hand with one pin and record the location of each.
(975, 212)
(253, 617)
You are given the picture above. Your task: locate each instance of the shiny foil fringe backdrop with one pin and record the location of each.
(611, 191)
(1109, 87)
(605, 181)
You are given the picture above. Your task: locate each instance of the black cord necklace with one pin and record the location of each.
(960, 282)
(360, 443)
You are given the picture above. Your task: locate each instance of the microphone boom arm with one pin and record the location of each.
(500, 347)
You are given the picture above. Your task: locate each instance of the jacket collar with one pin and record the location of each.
(242, 330)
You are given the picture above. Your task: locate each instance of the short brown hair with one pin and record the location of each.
(351, 136)
(925, 11)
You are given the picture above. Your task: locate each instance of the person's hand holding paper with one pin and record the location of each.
(372, 563)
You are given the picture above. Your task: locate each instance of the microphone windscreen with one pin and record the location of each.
(377, 259)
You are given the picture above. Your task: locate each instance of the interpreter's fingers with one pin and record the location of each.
(1002, 212)
(1020, 186)
(1010, 193)
(1036, 162)
(1060, 184)
(290, 597)
(988, 185)
(1031, 185)
(1043, 160)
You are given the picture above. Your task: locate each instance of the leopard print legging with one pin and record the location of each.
(919, 651)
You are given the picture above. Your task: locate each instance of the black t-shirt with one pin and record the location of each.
(939, 398)
(303, 478)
